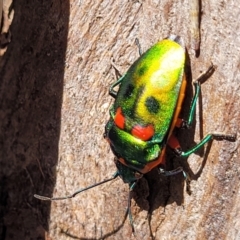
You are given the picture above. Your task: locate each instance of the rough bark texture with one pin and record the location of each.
(54, 104)
(6, 17)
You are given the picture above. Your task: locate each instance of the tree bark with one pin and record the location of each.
(54, 106)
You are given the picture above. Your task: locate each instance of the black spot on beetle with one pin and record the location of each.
(128, 91)
(142, 70)
(152, 105)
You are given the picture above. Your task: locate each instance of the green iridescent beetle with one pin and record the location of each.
(146, 111)
(146, 108)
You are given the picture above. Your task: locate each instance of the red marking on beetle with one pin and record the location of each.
(119, 118)
(143, 133)
(173, 142)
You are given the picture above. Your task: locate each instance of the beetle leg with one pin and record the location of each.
(208, 138)
(172, 172)
(197, 84)
(176, 171)
(175, 145)
(112, 92)
(116, 68)
(173, 142)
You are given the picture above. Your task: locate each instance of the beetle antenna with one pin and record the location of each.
(75, 193)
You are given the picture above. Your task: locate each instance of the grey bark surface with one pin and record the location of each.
(54, 105)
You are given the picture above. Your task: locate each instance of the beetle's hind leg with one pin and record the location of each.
(175, 146)
(173, 142)
(210, 137)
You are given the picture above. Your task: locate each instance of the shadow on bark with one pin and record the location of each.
(30, 108)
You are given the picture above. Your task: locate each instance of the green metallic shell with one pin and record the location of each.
(148, 95)
(135, 151)
(149, 91)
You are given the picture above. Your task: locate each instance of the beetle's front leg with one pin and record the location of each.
(112, 92)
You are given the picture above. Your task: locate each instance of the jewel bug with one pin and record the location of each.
(145, 113)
